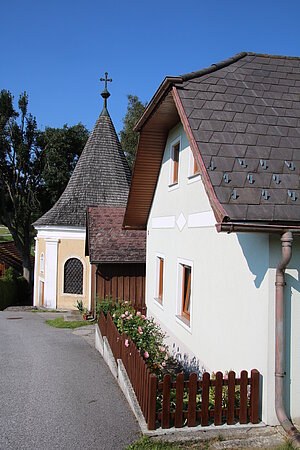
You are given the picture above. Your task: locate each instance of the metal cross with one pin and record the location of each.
(106, 80)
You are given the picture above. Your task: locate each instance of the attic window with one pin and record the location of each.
(174, 157)
(73, 276)
(193, 166)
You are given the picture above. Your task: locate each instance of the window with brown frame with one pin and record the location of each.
(196, 167)
(186, 291)
(160, 279)
(175, 163)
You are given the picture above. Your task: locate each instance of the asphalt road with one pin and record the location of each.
(56, 392)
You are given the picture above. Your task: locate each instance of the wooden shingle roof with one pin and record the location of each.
(101, 177)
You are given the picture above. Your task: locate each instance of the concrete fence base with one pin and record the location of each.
(119, 372)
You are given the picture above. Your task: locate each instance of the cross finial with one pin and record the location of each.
(105, 94)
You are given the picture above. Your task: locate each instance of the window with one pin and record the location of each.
(159, 285)
(193, 166)
(174, 163)
(186, 291)
(73, 276)
(42, 263)
(184, 302)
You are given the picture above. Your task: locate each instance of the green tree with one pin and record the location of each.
(35, 167)
(60, 150)
(20, 173)
(128, 138)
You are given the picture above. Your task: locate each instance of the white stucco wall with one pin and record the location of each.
(232, 311)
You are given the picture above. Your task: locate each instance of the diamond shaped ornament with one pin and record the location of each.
(181, 221)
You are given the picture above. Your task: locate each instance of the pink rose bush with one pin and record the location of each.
(143, 331)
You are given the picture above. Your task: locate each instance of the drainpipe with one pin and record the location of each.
(286, 239)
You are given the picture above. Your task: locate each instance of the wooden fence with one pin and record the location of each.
(218, 400)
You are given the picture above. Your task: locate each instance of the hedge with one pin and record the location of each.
(13, 292)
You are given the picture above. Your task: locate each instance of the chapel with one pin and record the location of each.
(63, 273)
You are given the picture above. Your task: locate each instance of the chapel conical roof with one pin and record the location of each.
(101, 178)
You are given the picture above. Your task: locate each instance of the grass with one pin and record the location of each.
(48, 310)
(5, 235)
(60, 323)
(147, 444)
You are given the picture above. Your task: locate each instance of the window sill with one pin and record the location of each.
(184, 322)
(158, 303)
(193, 178)
(173, 186)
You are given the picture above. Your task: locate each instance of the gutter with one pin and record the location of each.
(255, 227)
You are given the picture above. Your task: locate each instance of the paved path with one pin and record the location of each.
(56, 391)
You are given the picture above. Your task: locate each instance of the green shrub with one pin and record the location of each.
(13, 291)
(144, 332)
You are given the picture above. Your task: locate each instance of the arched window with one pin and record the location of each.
(73, 276)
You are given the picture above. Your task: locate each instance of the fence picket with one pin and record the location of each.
(192, 400)
(218, 398)
(243, 397)
(205, 399)
(179, 400)
(231, 398)
(152, 402)
(165, 416)
(254, 398)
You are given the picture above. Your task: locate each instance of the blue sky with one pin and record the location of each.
(58, 50)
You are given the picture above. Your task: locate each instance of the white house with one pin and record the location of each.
(216, 185)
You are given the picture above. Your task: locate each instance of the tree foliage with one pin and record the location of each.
(60, 150)
(34, 169)
(128, 138)
(20, 173)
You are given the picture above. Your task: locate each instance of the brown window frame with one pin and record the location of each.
(175, 162)
(160, 279)
(186, 291)
(196, 169)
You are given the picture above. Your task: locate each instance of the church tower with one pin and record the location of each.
(63, 273)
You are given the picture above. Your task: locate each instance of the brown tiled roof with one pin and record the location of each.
(101, 177)
(107, 242)
(10, 256)
(245, 119)
(242, 120)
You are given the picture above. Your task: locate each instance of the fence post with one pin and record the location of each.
(152, 402)
(165, 416)
(179, 400)
(243, 397)
(254, 397)
(205, 399)
(192, 400)
(218, 398)
(231, 398)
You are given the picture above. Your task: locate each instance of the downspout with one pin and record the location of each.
(286, 239)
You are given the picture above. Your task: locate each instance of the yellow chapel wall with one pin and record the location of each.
(67, 248)
(72, 248)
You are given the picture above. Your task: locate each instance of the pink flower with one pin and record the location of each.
(163, 364)
(146, 355)
(166, 357)
(126, 313)
(162, 349)
(114, 315)
(130, 316)
(126, 303)
(138, 313)
(143, 316)
(126, 343)
(140, 330)
(123, 315)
